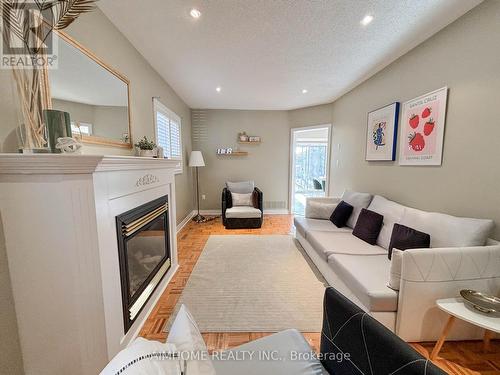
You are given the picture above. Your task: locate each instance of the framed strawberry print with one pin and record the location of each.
(381, 133)
(422, 129)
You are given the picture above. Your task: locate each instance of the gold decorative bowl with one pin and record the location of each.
(481, 301)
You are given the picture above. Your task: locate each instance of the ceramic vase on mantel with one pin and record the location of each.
(58, 126)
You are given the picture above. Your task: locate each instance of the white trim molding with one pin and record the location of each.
(186, 220)
(78, 164)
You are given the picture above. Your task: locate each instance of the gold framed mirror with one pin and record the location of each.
(96, 96)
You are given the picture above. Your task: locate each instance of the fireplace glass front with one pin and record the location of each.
(143, 245)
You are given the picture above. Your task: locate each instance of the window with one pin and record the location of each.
(168, 131)
(81, 128)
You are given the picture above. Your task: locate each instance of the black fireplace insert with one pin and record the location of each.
(144, 254)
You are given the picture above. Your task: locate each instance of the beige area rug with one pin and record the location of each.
(247, 283)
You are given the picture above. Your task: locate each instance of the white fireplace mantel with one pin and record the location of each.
(58, 214)
(77, 164)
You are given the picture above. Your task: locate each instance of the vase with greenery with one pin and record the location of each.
(23, 23)
(146, 147)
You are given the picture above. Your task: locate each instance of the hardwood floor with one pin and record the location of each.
(461, 358)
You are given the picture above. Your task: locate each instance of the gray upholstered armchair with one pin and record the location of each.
(247, 213)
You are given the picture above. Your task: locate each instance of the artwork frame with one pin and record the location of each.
(423, 121)
(382, 133)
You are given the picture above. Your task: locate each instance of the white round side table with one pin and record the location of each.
(457, 308)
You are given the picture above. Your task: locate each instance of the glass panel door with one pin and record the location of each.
(310, 166)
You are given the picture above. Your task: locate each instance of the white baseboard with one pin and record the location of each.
(278, 211)
(186, 220)
(211, 212)
(182, 224)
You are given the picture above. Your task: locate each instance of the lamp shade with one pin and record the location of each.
(196, 159)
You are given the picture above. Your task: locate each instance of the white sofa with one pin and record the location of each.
(461, 256)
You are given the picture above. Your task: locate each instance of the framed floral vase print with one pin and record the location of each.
(381, 133)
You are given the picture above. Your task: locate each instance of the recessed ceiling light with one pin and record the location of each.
(304, 91)
(195, 13)
(366, 20)
(218, 88)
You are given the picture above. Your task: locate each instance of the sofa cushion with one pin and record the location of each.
(357, 201)
(404, 238)
(368, 226)
(327, 243)
(320, 210)
(392, 213)
(448, 231)
(243, 187)
(395, 269)
(341, 214)
(243, 212)
(305, 224)
(367, 278)
(289, 345)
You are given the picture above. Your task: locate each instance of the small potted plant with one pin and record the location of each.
(146, 147)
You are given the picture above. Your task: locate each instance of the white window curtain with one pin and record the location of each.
(168, 131)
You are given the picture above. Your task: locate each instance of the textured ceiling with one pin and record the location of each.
(264, 52)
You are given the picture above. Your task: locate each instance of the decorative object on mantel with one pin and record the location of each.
(58, 126)
(196, 160)
(29, 81)
(68, 145)
(382, 131)
(422, 129)
(159, 153)
(146, 147)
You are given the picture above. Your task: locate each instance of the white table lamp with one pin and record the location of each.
(196, 160)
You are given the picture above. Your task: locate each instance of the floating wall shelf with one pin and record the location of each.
(250, 142)
(235, 153)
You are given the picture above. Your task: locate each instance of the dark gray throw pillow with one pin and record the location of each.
(341, 214)
(404, 238)
(368, 226)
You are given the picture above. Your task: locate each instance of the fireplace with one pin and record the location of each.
(144, 254)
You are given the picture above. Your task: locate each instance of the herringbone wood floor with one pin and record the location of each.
(461, 358)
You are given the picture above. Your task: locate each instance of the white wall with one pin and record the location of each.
(266, 163)
(466, 58)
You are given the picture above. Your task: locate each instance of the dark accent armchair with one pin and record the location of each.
(240, 217)
(371, 348)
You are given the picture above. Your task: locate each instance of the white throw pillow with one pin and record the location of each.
(357, 201)
(242, 199)
(186, 337)
(320, 210)
(243, 187)
(141, 357)
(396, 265)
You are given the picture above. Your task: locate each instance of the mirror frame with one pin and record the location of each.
(47, 98)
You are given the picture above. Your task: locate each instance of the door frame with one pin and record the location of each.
(292, 160)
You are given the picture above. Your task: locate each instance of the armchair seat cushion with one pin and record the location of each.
(243, 212)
